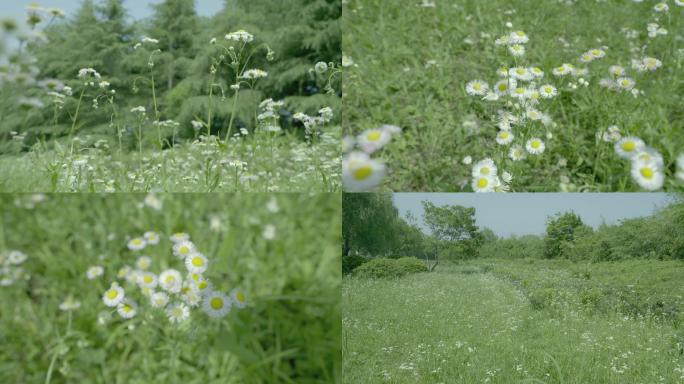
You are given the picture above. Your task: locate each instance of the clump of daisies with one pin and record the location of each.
(313, 125)
(360, 172)
(10, 267)
(486, 178)
(647, 165)
(169, 291)
(521, 124)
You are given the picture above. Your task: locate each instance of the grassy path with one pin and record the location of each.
(457, 327)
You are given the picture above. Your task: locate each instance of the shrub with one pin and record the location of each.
(390, 268)
(351, 262)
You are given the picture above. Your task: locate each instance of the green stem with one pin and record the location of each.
(73, 123)
(156, 111)
(48, 376)
(232, 115)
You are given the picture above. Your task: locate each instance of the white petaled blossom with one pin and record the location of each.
(94, 272)
(216, 304)
(196, 263)
(140, 110)
(477, 88)
(151, 237)
(87, 72)
(127, 309)
(269, 232)
(159, 299)
(321, 67)
(149, 40)
(504, 137)
(647, 174)
(178, 312)
(183, 249)
(240, 35)
(137, 244)
(239, 299)
(179, 236)
(113, 296)
(484, 183)
(548, 91)
(171, 280)
(517, 153)
(485, 167)
(360, 172)
(148, 280)
(254, 74)
(518, 37)
(535, 146)
(143, 262)
(627, 147)
(373, 139)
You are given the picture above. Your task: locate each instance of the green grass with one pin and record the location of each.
(411, 65)
(269, 164)
(288, 333)
(475, 323)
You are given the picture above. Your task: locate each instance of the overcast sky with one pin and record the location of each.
(526, 213)
(137, 9)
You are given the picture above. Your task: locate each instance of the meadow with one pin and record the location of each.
(245, 100)
(513, 95)
(136, 288)
(517, 321)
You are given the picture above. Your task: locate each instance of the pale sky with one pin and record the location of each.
(526, 213)
(138, 9)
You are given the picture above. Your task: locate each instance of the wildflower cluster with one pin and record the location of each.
(646, 163)
(10, 267)
(359, 171)
(168, 291)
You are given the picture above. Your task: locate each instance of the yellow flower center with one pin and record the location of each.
(197, 261)
(374, 136)
(137, 241)
(504, 135)
(127, 308)
(520, 91)
(548, 89)
(202, 285)
(482, 182)
(536, 144)
(647, 172)
(112, 294)
(240, 297)
(503, 87)
(170, 279)
(520, 71)
(628, 146)
(216, 303)
(477, 86)
(147, 279)
(184, 249)
(363, 173)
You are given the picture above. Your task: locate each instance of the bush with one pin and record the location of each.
(390, 268)
(351, 262)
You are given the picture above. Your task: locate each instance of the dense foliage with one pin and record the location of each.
(389, 268)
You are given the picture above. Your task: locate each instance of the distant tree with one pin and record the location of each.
(369, 223)
(454, 226)
(560, 232)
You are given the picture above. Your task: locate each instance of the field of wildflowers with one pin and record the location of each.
(557, 95)
(521, 321)
(135, 288)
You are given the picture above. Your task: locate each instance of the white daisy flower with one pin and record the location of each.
(516, 50)
(123, 272)
(238, 297)
(537, 72)
(650, 155)
(502, 87)
(627, 147)
(506, 177)
(192, 297)
(518, 37)
(171, 281)
(272, 205)
(143, 262)
(137, 244)
(502, 72)
(151, 237)
(484, 167)
(504, 137)
(521, 73)
(148, 279)
(661, 7)
(597, 53)
(535, 146)
(159, 299)
(648, 175)
(651, 63)
(467, 160)
(516, 153)
(201, 284)
(94, 272)
(216, 304)
(373, 139)
(477, 88)
(113, 296)
(533, 114)
(548, 91)
(625, 83)
(269, 232)
(563, 70)
(616, 70)
(587, 57)
(127, 309)
(679, 2)
(179, 237)
(196, 263)
(519, 93)
(183, 249)
(484, 183)
(360, 172)
(178, 312)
